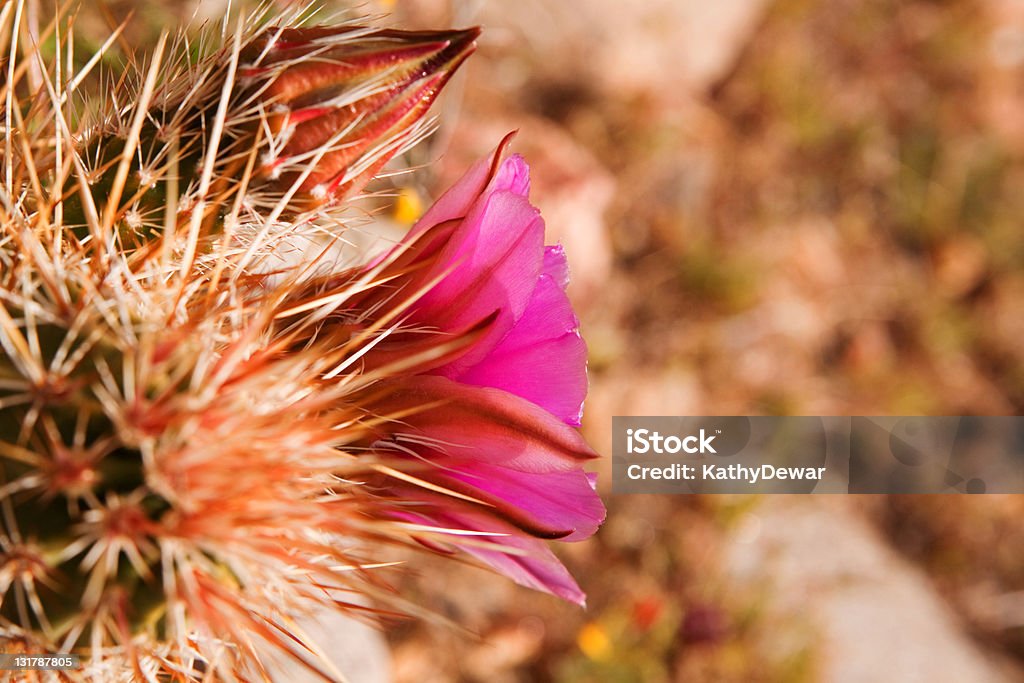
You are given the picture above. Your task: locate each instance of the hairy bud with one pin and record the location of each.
(342, 101)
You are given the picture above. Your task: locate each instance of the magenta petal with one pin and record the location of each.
(497, 448)
(457, 200)
(556, 265)
(513, 175)
(556, 504)
(491, 263)
(530, 563)
(516, 432)
(538, 569)
(542, 359)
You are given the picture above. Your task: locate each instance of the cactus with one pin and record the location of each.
(197, 448)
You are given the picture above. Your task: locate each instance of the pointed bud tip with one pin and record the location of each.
(464, 39)
(459, 44)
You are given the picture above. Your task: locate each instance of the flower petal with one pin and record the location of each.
(556, 265)
(490, 263)
(538, 568)
(555, 505)
(523, 435)
(543, 358)
(529, 562)
(457, 200)
(494, 447)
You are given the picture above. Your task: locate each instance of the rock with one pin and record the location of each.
(876, 616)
(660, 46)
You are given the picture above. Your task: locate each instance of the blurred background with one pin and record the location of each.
(769, 207)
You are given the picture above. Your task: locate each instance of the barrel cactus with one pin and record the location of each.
(204, 437)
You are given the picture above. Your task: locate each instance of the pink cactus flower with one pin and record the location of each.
(490, 421)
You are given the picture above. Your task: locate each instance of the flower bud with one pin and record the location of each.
(341, 101)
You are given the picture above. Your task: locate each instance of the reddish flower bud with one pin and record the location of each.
(342, 101)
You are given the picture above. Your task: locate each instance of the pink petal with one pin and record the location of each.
(555, 505)
(556, 265)
(538, 568)
(498, 448)
(530, 563)
(490, 263)
(513, 176)
(486, 174)
(543, 358)
(457, 200)
(521, 434)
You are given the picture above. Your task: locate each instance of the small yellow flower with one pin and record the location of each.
(408, 206)
(594, 642)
